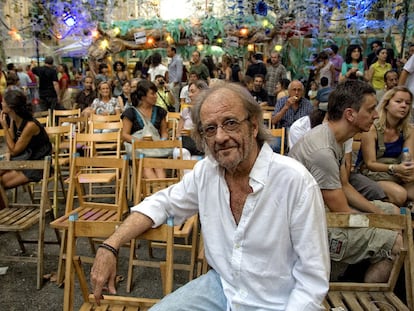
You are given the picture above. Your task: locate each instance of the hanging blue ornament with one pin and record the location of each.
(267, 31)
(261, 8)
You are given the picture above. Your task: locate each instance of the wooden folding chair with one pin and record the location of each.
(57, 114)
(102, 229)
(183, 106)
(369, 296)
(60, 159)
(267, 118)
(45, 121)
(135, 156)
(43, 114)
(280, 132)
(97, 208)
(187, 231)
(104, 118)
(79, 124)
(20, 217)
(172, 120)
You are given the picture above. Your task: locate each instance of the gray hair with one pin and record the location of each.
(249, 103)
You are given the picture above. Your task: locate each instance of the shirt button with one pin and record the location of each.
(237, 246)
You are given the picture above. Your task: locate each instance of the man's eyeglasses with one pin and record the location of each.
(230, 125)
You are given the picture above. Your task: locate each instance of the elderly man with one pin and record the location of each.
(351, 109)
(267, 246)
(292, 107)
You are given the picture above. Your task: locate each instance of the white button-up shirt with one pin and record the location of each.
(277, 257)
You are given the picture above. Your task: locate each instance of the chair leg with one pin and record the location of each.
(62, 255)
(20, 241)
(131, 265)
(4, 202)
(40, 252)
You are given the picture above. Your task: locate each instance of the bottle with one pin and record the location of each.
(406, 156)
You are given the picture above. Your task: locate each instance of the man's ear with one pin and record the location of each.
(350, 114)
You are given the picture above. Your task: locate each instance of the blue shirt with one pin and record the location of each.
(323, 94)
(175, 69)
(291, 115)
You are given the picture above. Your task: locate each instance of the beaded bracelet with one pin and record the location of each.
(109, 248)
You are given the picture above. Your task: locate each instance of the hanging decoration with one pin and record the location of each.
(261, 8)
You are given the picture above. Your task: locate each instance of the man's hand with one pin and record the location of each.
(291, 101)
(103, 273)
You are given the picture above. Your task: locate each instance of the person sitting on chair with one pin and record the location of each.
(143, 111)
(267, 246)
(25, 137)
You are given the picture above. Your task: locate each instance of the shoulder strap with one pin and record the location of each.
(21, 128)
(139, 117)
(154, 114)
(162, 98)
(380, 141)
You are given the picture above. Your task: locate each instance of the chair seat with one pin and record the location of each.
(119, 303)
(351, 300)
(88, 213)
(96, 178)
(18, 218)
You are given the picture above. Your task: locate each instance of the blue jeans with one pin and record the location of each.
(276, 144)
(202, 294)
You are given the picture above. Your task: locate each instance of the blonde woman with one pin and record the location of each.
(382, 145)
(105, 104)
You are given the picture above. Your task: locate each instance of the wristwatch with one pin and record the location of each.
(391, 170)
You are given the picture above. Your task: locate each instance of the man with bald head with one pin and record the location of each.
(256, 234)
(290, 108)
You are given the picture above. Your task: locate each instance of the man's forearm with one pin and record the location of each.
(358, 201)
(134, 225)
(278, 116)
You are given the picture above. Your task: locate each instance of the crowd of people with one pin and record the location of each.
(251, 220)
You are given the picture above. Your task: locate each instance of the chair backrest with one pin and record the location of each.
(104, 118)
(172, 120)
(267, 118)
(267, 108)
(115, 126)
(59, 135)
(401, 223)
(183, 106)
(142, 144)
(80, 123)
(103, 229)
(146, 186)
(98, 144)
(280, 132)
(45, 121)
(83, 167)
(64, 113)
(46, 113)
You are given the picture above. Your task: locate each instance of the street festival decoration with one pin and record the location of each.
(241, 22)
